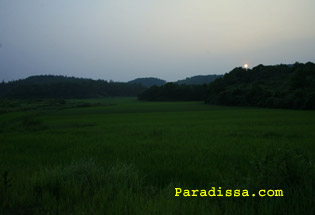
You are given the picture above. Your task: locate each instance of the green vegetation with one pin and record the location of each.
(50, 86)
(194, 80)
(123, 156)
(281, 86)
(174, 92)
(148, 82)
(199, 79)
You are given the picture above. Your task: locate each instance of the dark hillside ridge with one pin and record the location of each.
(280, 86)
(49, 79)
(199, 79)
(148, 82)
(50, 86)
(189, 89)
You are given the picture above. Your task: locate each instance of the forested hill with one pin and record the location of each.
(280, 86)
(189, 89)
(49, 86)
(195, 80)
(148, 82)
(199, 79)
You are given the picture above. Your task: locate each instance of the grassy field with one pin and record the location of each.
(122, 156)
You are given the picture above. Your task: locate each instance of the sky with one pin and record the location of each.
(121, 40)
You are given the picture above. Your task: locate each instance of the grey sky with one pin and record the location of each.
(170, 39)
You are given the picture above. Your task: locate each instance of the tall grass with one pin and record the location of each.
(127, 158)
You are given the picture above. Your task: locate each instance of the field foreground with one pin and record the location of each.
(122, 156)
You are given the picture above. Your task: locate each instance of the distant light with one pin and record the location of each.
(246, 66)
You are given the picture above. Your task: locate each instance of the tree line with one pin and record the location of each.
(279, 86)
(174, 92)
(50, 86)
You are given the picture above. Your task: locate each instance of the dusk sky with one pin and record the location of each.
(122, 40)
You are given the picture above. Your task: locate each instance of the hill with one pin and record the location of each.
(50, 86)
(280, 86)
(199, 79)
(148, 82)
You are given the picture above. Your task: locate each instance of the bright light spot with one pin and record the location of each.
(246, 66)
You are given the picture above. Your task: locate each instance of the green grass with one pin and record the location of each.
(122, 156)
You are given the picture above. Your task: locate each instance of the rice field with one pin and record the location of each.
(123, 156)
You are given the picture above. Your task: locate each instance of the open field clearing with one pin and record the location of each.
(123, 156)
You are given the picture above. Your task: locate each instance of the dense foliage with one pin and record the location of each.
(174, 92)
(49, 86)
(199, 79)
(280, 86)
(189, 89)
(148, 82)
